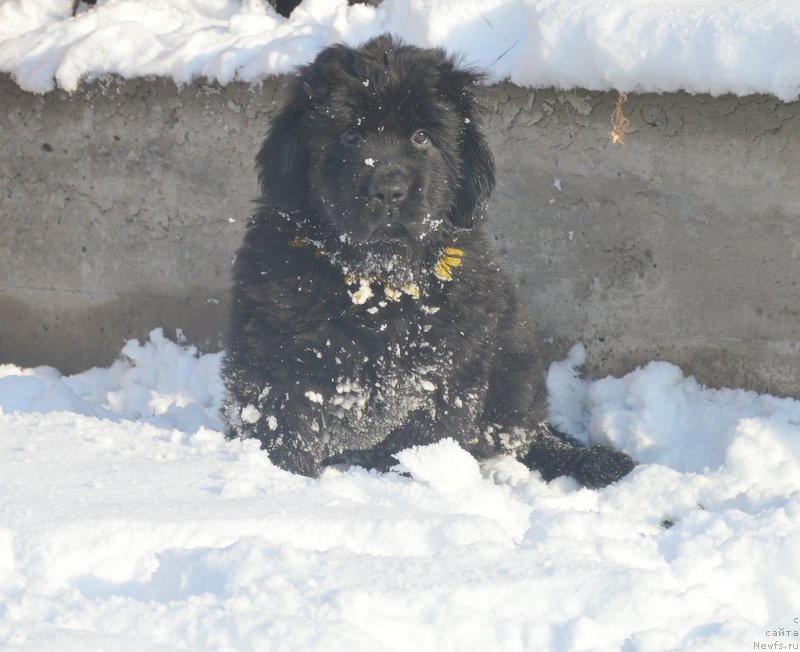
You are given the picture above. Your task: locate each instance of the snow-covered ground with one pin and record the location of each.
(715, 46)
(128, 523)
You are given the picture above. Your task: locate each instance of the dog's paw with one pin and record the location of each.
(554, 454)
(599, 466)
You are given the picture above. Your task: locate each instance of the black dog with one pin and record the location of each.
(368, 315)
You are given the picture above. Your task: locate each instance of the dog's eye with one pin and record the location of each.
(420, 137)
(351, 137)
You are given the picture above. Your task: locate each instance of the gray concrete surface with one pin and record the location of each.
(121, 207)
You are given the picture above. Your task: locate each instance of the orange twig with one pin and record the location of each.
(619, 122)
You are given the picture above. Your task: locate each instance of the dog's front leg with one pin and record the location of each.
(275, 399)
(295, 441)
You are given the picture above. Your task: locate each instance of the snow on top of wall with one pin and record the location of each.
(700, 46)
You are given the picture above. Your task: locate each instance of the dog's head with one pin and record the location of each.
(381, 146)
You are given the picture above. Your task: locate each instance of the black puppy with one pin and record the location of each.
(368, 315)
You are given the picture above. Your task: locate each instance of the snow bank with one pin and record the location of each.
(159, 382)
(128, 522)
(701, 46)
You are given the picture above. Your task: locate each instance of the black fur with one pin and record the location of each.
(375, 174)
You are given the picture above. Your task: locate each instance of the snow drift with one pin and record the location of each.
(129, 523)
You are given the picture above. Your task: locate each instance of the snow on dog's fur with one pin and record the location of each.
(368, 314)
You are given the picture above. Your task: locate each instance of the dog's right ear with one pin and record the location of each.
(282, 161)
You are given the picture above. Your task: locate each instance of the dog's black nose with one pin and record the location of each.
(388, 188)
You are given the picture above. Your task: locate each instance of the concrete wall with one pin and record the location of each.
(121, 207)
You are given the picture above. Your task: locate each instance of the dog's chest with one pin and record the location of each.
(362, 415)
(400, 364)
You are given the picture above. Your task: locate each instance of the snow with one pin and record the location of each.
(128, 522)
(700, 46)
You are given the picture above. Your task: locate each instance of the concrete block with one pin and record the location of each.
(122, 205)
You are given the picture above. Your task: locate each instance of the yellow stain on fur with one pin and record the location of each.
(444, 266)
(411, 290)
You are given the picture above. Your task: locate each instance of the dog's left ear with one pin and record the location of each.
(476, 176)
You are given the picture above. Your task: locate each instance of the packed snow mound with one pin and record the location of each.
(700, 46)
(746, 444)
(129, 522)
(158, 382)
(445, 465)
